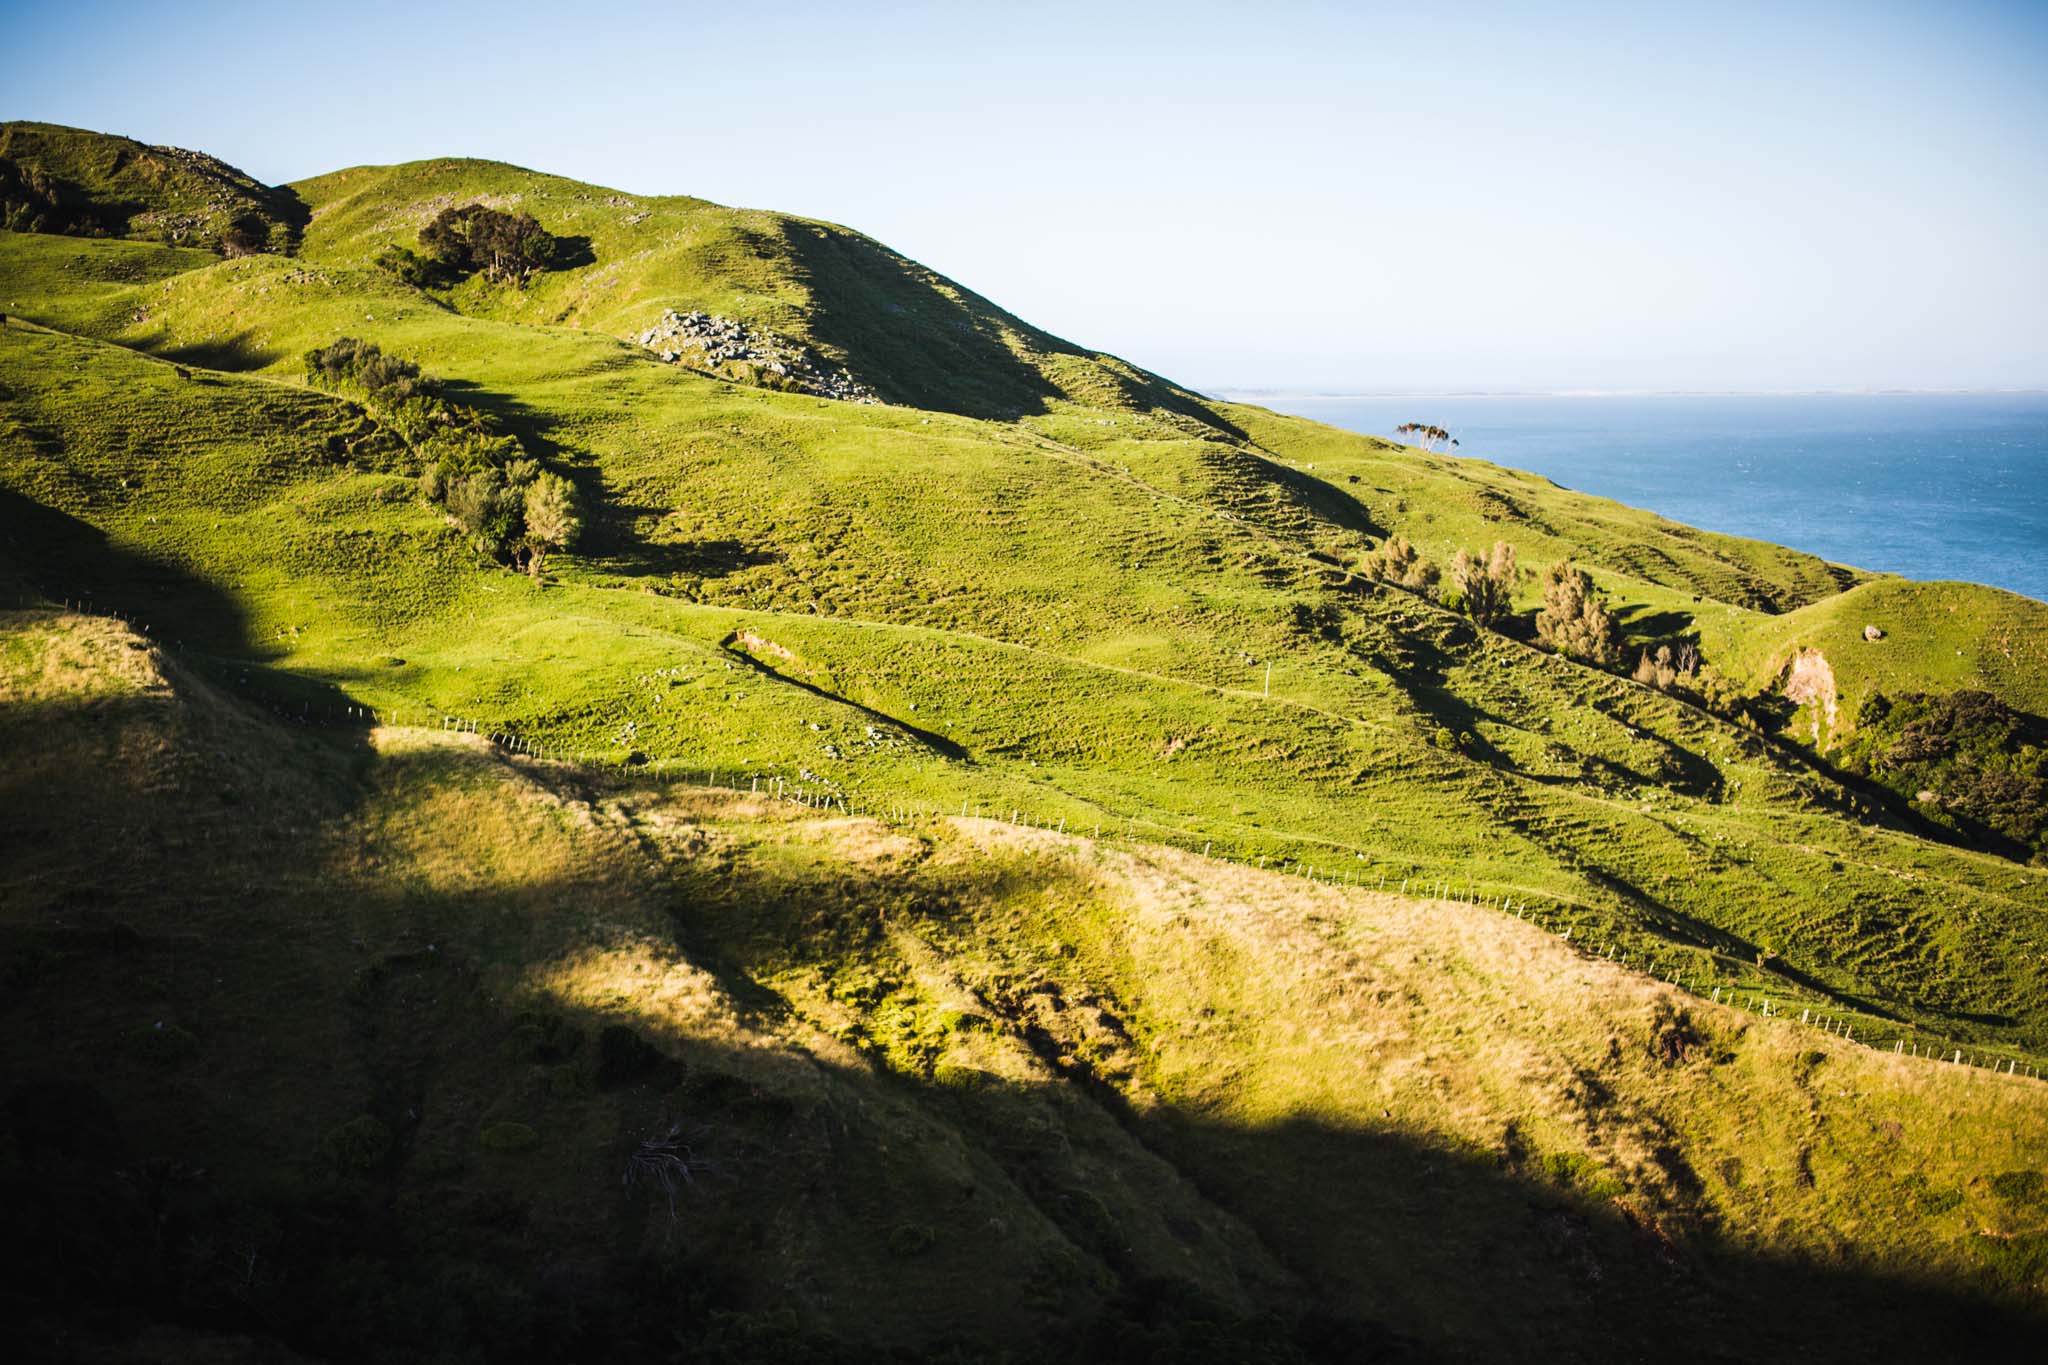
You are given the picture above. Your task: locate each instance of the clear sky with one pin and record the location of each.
(1354, 197)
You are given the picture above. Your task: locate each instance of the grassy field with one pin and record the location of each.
(959, 1080)
(1037, 583)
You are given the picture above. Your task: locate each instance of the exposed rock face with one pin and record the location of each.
(731, 349)
(1811, 681)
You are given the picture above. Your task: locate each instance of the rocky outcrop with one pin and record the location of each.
(731, 349)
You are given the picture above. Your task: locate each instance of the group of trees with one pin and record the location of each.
(511, 508)
(1965, 760)
(1427, 436)
(1401, 564)
(508, 248)
(1481, 586)
(1670, 670)
(1573, 621)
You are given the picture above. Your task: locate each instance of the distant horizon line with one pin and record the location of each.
(2013, 390)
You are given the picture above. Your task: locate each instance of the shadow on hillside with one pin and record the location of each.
(71, 560)
(615, 538)
(234, 354)
(931, 739)
(532, 427)
(572, 252)
(1328, 500)
(451, 1179)
(1642, 623)
(924, 344)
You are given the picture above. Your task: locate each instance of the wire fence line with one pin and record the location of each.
(1694, 972)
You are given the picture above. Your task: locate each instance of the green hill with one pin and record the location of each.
(66, 180)
(1048, 595)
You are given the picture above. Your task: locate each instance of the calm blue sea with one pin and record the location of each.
(1928, 486)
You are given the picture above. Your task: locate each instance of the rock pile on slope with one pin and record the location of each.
(731, 348)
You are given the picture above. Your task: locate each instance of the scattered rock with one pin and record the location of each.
(731, 349)
(1872, 633)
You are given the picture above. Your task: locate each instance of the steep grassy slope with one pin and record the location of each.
(1028, 1094)
(913, 585)
(1937, 636)
(914, 336)
(68, 180)
(1056, 590)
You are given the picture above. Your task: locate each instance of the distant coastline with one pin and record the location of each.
(1233, 393)
(1932, 484)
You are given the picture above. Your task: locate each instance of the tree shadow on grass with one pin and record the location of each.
(238, 353)
(533, 427)
(572, 252)
(1644, 623)
(619, 538)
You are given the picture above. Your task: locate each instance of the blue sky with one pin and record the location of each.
(1340, 197)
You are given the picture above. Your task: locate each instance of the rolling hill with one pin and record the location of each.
(1177, 941)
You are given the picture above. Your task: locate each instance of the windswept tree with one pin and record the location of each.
(1427, 436)
(552, 520)
(1486, 587)
(1573, 620)
(1399, 563)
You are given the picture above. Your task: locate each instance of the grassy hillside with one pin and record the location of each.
(953, 1081)
(1936, 636)
(67, 180)
(1035, 589)
(914, 336)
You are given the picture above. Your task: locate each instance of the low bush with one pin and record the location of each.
(164, 1044)
(509, 1137)
(360, 1145)
(510, 508)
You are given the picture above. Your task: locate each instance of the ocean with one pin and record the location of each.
(1923, 485)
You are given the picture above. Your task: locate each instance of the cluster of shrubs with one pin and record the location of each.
(511, 508)
(1573, 621)
(475, 239)
(1981, 765)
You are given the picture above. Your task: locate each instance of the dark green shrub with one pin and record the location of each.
(912, 1239)
(1985, 764)
(956, 1077)
(164, 1044)
(2019, 1188)
(409, 267)
(1927, 1201)
(360, 1145)
(509, 1137)
(537, 1037)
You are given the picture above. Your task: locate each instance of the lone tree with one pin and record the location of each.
(1427, 436)
(1399, 563)
(1487, 586)
(509, 247)
(552, 521)
(1574, 621)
